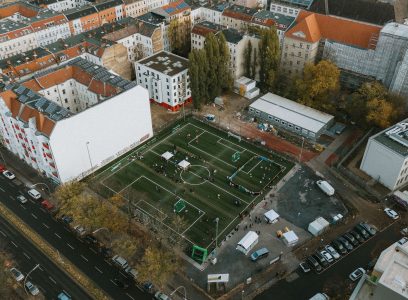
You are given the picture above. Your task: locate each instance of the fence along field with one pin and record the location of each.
(226, 177)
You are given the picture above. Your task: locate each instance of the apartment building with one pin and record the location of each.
(200, 31)
(60, 5)
(237, 17)
(290, 8)
(386, 156)
(79, 104)
(165, 76)
(213, 14)
(267, 19)
(135, 8)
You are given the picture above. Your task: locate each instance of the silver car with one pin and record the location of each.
(332, 251)
(18, 276)
(21, 199)
(32, 288)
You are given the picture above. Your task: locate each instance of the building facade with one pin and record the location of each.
(79, 104)
(386, 156)
(165, 76)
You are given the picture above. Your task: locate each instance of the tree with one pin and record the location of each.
(269, 55)
(66, 191)
(212, 52)
(158, 265)
(248, 60)
(224, 70)
(194, 74)
(319, 86)
(254, 65)
(379, 112)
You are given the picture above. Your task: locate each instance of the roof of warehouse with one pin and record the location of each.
(292, 112)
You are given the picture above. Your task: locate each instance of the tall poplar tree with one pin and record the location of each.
(269, 55)
(248, 60)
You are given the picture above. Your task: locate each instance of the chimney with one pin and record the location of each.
(326, 7)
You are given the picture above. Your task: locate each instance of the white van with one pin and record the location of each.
(34, 194)
(120, 261)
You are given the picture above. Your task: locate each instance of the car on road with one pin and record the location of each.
(120, 261)
(18, 276)
(8, 175)
(351, 239)
(327, 256)
(339, 247)
(332, 251)
(357, 236)
(160, 296)
(345, 243)
(90, 239)
(21, 199)
(305, 267)
(320, 258)
(120, 283)
(81, 231)
(320, 296)
(36, 195)
(66, 219)
(2, 168)
(258, 254)
(360, 229)
(47, 205)
(357, 273)
(63, 296)
(313, 262)
(32, 288)
(148, 287)
(131, 272)
(369, 228)
(391, 213)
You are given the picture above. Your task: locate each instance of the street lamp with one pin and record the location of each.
(89, 155)
(301, 149)
(109, 232)
(185, 292)
(28, 274)
(216, 231)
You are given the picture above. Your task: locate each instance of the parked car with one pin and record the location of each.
(120, 283)
(369, 228)
(32, 288)
(120, 261)
(391, 213)
(304, 266)
(8, 175)
(360, 229)
(21, 199)
(18, 276)
(2, 168)
(66, 219)
(332, 251)
(33, 193)
(327, 256)
(339, 247)
(258, 254)
(160, 296)
(63, 296)
(47, 205)
(357, 236)
(106, 252)
(90, 239)
(313, 262)
(320, 296)
(351, 239)
(81, 231)
(320, 258)
(148, 287)
(357, 273)
(345, 243)
(131, 272)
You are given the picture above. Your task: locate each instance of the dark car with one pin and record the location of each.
(320, 258)
(339, 247)
(148, 287)
(66, 219)
(370, 229)
(106, 252)
(357, 236)
(345, 243)
(360, 229)
(90, 239)
(120, 283)
(313, 262)
(351, 239)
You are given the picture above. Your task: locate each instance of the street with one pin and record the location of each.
(85, 257)
(334, 280)
(50, 279)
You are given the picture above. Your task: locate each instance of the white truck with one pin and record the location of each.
(325, 187)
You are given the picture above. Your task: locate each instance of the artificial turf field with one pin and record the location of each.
(226, 177)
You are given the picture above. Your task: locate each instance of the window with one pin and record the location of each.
(63, 92)
(66, 100)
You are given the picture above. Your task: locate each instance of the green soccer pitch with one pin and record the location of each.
(226, 177)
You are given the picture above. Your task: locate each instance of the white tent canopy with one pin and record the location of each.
(271, 216)
(183, 164)
(318, 226)
(290, 238)
(248, 242)
(167, 155)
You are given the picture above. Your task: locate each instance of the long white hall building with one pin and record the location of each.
(74, 119)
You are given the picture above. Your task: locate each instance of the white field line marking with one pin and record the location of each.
(233, 149)
(188, 228)
(70, 246)
(57, 235)
(97, 269)
(84, 258)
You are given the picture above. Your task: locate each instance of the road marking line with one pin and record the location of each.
(14, 244)
(57, 235)
(3, 233)
(123, 274)
(2, 189)
(43, 210)
(108, 262)
(28, 257)
(98, 270)
(130, 296)
(66, 229)
(48, 227)
(52, 279)
(22, 206)
(41, 268)
(32, 201)
(113, 282)
(70, 246)
(34, 216)
(94, 251)
(84, 257)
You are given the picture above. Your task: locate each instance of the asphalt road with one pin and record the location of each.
(334, 279)
(48, 277)
(84, 256)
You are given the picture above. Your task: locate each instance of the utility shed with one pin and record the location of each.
(248, 242)
(318, 226)
(290, 115)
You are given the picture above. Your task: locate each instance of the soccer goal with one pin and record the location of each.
(179, 206)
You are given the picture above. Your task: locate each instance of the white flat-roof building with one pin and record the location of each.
(386, 156)
(291, 115)
(165, 76)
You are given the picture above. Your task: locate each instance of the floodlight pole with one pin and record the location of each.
(216, 231)
(28, 274)
(89, 155)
